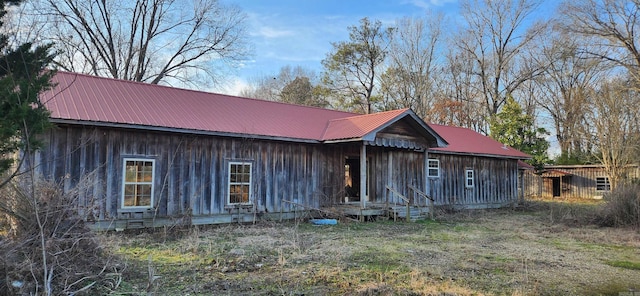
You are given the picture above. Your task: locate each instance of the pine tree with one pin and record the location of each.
(511, 126)
(23, 76)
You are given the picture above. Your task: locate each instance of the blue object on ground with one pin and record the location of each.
(324, 221)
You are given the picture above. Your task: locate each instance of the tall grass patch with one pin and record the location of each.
(622, 207)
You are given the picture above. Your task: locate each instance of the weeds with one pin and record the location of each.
(622, 207)
(51, 251)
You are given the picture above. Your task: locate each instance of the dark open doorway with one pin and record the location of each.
(352, 179)
(556, 186)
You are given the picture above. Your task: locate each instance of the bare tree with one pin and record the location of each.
(150, 41)
(611, 24)
(352, 69)
(410, 79)
(300, 91)
(495, 38)
(459, 102)
(569, 75)
(272, 87)
(615, 115)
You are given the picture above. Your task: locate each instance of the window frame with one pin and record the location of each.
(469, 178)
(125, 182)
(436, 168)
(606, 183)
(230, 184)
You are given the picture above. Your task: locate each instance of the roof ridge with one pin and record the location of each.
(399, 111)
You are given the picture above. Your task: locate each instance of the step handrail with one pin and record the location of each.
(390, 189)
(426, 197)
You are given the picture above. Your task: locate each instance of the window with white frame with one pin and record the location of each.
(239, 183)
(602, 184)
(433, 168)
(137, 186)
(469, 178)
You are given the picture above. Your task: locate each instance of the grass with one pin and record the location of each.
(497, 252)
(625, 264)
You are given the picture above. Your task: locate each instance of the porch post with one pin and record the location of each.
(425, 172)
(363, 176)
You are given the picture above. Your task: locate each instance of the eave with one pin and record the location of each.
(178, 130)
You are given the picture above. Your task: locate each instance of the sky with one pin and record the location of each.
(300, 32)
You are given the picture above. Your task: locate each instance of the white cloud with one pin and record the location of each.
(233, 87)
(269, 32)
(429, 4)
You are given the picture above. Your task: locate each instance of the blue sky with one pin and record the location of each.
(300, 32)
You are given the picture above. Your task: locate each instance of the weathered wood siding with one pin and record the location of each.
(397, 169)
(581, 183)
(495, 181)
(190, 170)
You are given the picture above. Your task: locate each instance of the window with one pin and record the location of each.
(469, 176)
(137, 188)
(239, 183)
(433, 168)
(602, 184)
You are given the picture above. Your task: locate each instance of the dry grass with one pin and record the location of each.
(539, 250)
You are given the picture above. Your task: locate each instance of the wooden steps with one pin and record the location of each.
(416, 213)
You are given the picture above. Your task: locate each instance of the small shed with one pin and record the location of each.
(572, 181)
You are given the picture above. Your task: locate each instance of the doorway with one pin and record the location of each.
(556, 186)
(352, 179)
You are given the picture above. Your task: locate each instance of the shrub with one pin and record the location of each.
(621, 207)
(50, 250)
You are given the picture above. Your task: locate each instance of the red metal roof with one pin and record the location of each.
(464, 140)
(354, 127)
(85, 99)
(525, 166)
(80, 97)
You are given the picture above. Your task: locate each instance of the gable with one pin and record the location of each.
(397, 128)
(404, 134)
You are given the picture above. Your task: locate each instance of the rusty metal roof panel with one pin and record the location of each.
(467, 141)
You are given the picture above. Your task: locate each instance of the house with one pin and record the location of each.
(158, 155)
(573, 181)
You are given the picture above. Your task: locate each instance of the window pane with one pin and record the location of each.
(233, 178)
(130, 174)
(246, 169)
(245, 178)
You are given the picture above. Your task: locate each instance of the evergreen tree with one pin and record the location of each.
(511, 126)
(23, 75)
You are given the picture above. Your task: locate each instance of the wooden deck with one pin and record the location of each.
(375, 210)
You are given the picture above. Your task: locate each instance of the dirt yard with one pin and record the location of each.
(539, 250)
